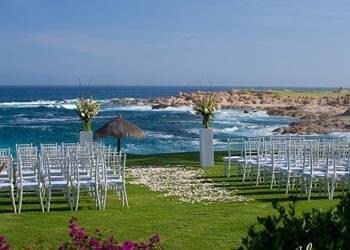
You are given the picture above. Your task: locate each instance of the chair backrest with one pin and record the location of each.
(28, 168)
(27, 151)
(235, 145)
(55, 166)
(22, 146)
(6, 168)
(5, 152)
(115, 163)
(50, 148)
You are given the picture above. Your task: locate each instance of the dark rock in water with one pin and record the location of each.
(246, 111)
(160, 106)
(303, 128)
(292, 111)
(339, 90)
(277, 130)
(346, 113)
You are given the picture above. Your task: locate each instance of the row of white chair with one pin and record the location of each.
(291, 162)
(67, 169)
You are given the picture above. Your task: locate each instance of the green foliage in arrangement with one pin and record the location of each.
(206, 107)
(87, 109)
(324, 230)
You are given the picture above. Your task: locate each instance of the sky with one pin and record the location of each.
(176, 42)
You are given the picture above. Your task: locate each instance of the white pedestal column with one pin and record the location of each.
(85, 137)
(206, 147)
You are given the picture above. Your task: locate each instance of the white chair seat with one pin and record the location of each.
(232, 158)
(5, 185)
(114, 180)
(292, 169)
(339, 173)
(86, 183)
(28, 185)
(58, 183)
(315, 173)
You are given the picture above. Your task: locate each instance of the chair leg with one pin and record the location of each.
(105, 197)
(288, 182)
(48, 200)
(126, 198)
(77, 199)
(333, 187)
(13, 200)
(272, 178)
(71, 197)
(41, 200)
(20, 201)
(310, 189)
(258, 176)
(328, 188)
(244, 172)
(279, 180)
(98, 198)
(227, 169)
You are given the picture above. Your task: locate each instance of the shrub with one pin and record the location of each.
(81, 240)
(324, 229)
(3, 243)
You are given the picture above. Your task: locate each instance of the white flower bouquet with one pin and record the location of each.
(87, 109)
(205, 106)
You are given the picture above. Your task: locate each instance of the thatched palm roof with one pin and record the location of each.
(119, 128)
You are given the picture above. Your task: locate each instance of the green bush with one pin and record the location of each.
(324, 229)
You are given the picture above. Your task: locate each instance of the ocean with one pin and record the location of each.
(42, 114)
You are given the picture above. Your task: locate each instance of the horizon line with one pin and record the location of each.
(174, 85)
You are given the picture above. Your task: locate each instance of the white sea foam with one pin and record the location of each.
(229, 114)
(344, 135)
(25, 120)
(175, 109)
(66, 104)
(127, 108)
(225, 130)
(158, 135)
(193, 131)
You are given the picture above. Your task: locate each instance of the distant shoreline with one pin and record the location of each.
(320, 112)
(194, 86)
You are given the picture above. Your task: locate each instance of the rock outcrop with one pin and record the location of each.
(314, 114)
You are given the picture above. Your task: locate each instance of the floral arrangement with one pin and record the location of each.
(80, 239)
(205, 106)
(2, 167)
(87, 109)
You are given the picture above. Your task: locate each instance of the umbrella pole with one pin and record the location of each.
(119, 146)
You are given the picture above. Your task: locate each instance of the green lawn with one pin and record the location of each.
(309, 93)
(181, 226)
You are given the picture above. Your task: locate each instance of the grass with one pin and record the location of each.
(309, 93)
(181, 226)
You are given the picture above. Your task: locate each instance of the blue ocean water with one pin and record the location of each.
(38, 114)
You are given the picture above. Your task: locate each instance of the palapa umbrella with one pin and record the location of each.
(119, 128)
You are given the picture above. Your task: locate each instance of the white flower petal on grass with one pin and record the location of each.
(187, 185)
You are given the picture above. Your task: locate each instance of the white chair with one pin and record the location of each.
(6, 175)
(114, 177)
(233, 146)
(83, 176)
(55, 177)
(314, 169)
(28, 178)
(340, 167)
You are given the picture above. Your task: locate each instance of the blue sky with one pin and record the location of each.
(176, 42)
